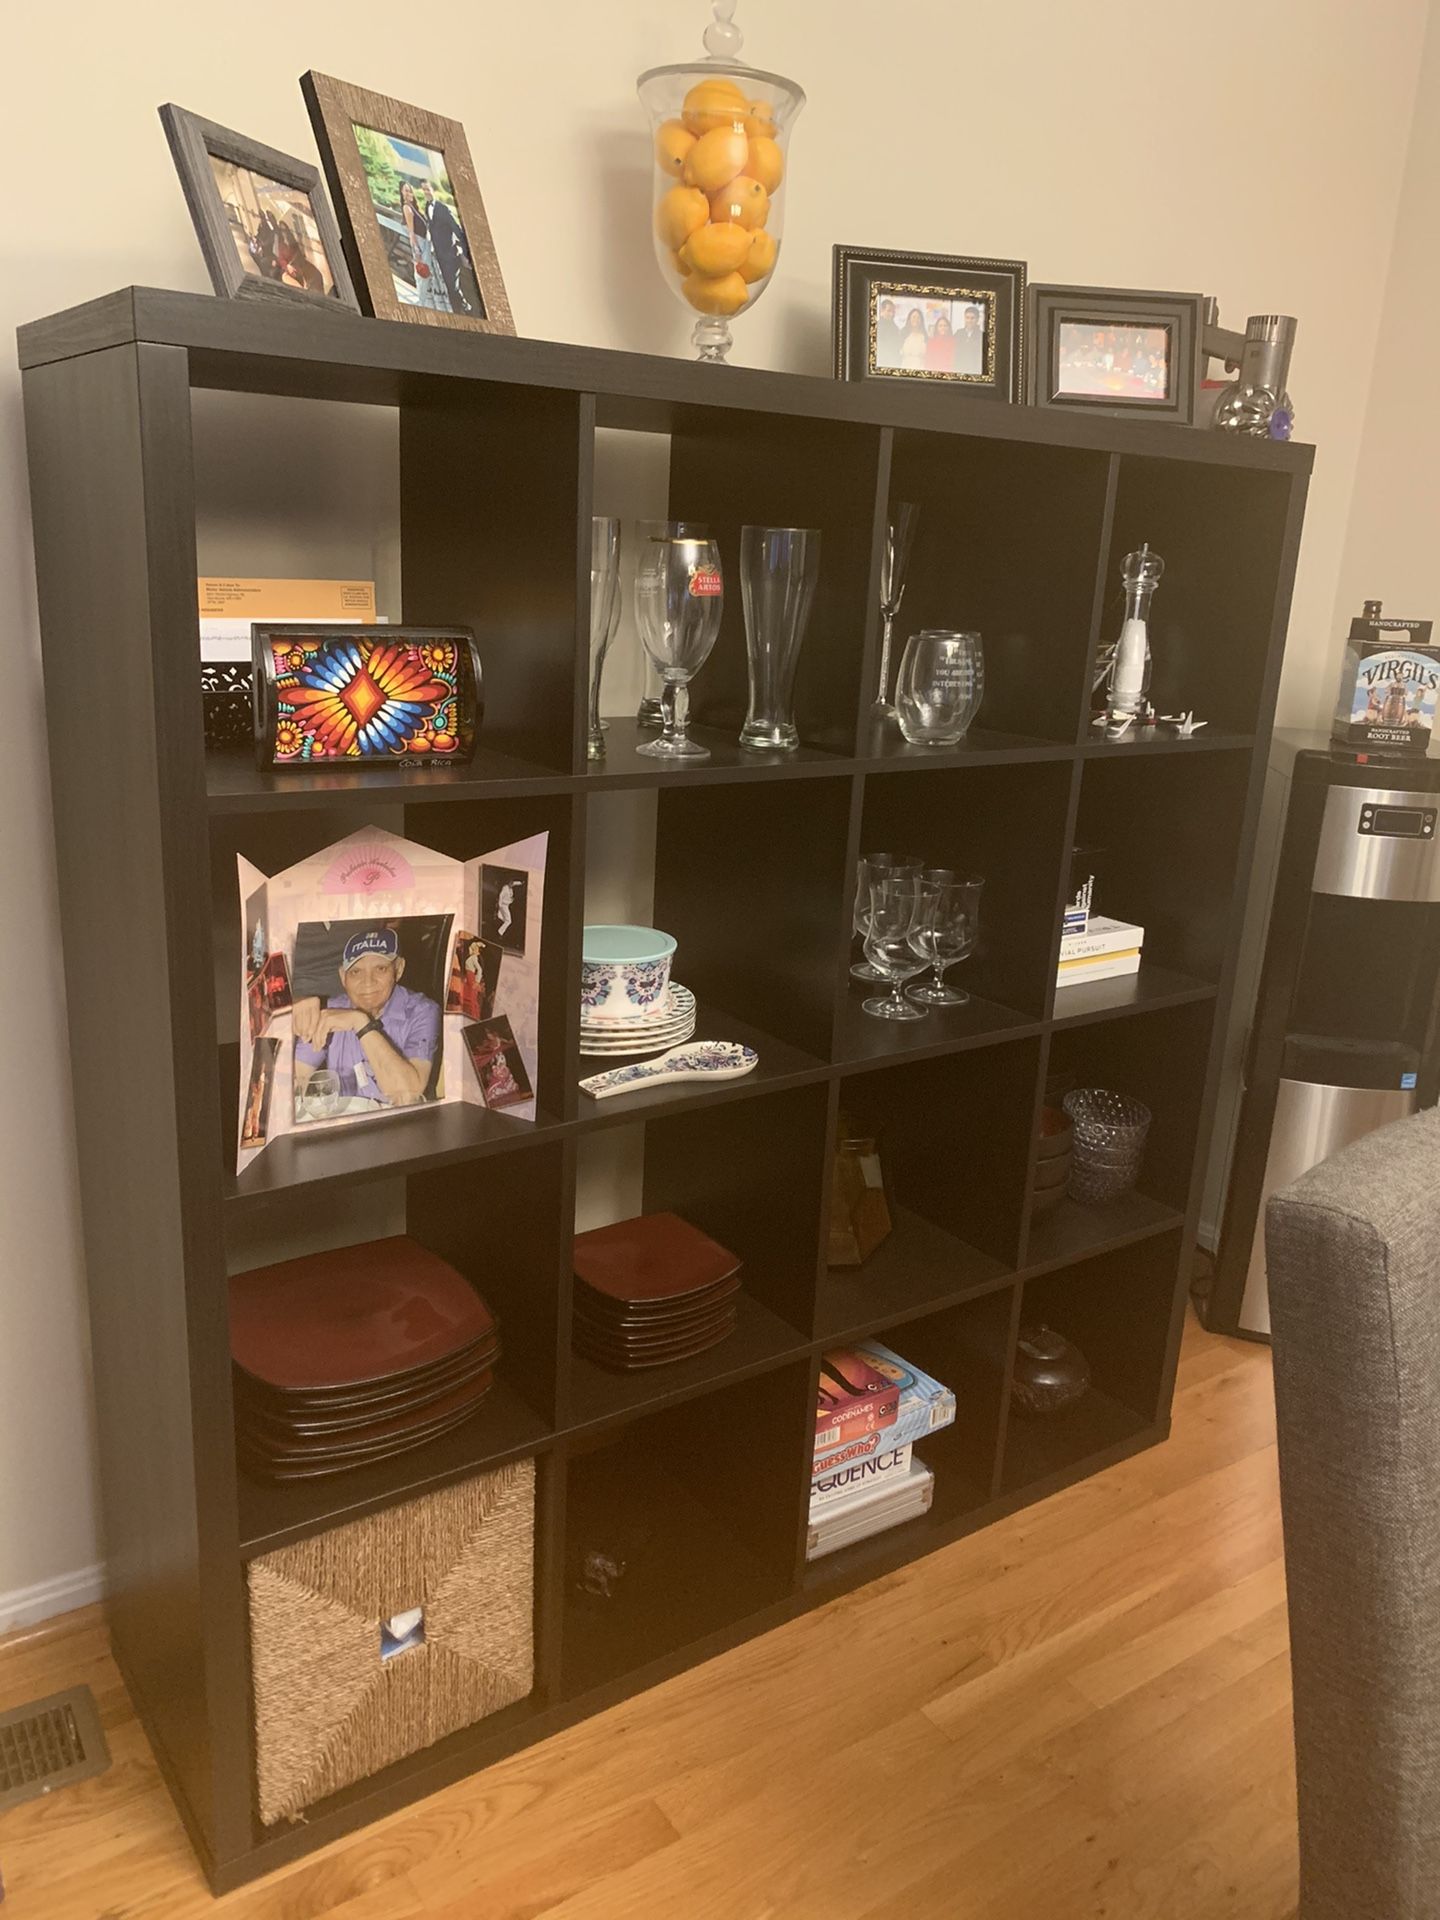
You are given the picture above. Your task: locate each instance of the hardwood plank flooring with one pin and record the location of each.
(1080, 1714)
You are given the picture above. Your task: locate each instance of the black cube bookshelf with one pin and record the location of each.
(1027, 514)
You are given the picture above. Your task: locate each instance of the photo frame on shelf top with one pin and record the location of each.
(261, 217)
(941, 320)
(413, 220)
(1118, 351)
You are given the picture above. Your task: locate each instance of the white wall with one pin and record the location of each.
(1255, 154)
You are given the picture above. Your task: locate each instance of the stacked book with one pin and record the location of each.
(872, 1408)
(1104, 949)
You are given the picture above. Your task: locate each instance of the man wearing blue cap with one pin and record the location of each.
(377, 1036)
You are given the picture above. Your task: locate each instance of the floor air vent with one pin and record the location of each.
(48, 1744)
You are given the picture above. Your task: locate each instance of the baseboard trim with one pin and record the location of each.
(26, 1606)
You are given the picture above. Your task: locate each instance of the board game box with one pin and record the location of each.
(889, 1464)
(925, 1406)
(855, 1397)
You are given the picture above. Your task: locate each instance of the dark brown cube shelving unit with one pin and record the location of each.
(1026, 515)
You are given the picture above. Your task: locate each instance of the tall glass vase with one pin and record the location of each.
(779, 567)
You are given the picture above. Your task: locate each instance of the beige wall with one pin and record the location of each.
(1255, 154)
(1391, 552)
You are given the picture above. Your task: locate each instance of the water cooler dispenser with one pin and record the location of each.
(1344, 1037)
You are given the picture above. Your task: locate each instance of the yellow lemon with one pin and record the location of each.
(744, 201)
(715, 159)
(766, 163)
(672, 142)
(714, 103)
(723, 293)
(716, 249)
(760, 120)
(760, 258)
(680, 261)
(679, 213)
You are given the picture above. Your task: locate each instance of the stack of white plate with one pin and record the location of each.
(659, 1027)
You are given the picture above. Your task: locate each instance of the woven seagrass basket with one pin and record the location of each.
(337, 1697)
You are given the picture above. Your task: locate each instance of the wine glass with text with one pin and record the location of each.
(679, 597)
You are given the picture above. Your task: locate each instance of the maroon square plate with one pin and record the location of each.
(354, 1315)
(655, 1256)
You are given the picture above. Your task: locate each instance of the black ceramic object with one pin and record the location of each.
(1051, 1373)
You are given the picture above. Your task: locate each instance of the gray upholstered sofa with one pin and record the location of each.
(1353, 1250)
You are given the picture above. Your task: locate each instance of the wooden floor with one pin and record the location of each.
(1080, 1714)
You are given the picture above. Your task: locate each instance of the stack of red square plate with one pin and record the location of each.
(354, 1356)
(652, 1290)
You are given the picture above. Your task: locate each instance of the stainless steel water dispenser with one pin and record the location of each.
(1344, 1033)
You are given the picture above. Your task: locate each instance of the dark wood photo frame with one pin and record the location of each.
(337, 112)
(193, 143)
(864, 276)
(1107, 309)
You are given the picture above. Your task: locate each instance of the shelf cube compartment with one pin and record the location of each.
(965, 1348)
(498, 1223)
(731, 469)
(952, 1137)
(1117, 1308)
(984, 503)
(461, 829)
(747, 878)
(1003, 823)
(748, 1173)
(683, 1524)
(1161, 834)
(1159, 1058)
(1222, 533)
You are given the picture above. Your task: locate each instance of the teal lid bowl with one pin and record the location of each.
(624, 945)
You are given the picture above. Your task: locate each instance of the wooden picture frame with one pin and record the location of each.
(459, 284)
(866, 279)
(1125, 316)
(236, 271)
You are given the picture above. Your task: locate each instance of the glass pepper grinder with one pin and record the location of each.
(1129, 676)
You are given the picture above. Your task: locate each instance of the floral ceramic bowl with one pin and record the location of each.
(625, 972)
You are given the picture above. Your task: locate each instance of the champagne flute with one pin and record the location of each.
(604, 617)
(894, 564)
(896, 906)
(679, 596)
(947, 932)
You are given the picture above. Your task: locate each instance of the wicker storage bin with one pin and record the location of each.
(337, 1694)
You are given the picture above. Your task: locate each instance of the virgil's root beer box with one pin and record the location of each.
(1388, 684)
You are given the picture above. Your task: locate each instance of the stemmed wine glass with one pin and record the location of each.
(894, 564)
(947, 931)
(869, 868)
(679, 596)
(897, 904)
(604, 617)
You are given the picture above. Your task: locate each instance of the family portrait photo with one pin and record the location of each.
(1110, 362)
(940, 337)
(425, 241)
(499, 1066)
(274, 228)
(367, 1021)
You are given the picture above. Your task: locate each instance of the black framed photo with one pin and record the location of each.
(408, 196)
(942, 318)
(1119, 351)
(498, 1063)
(262, 219)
